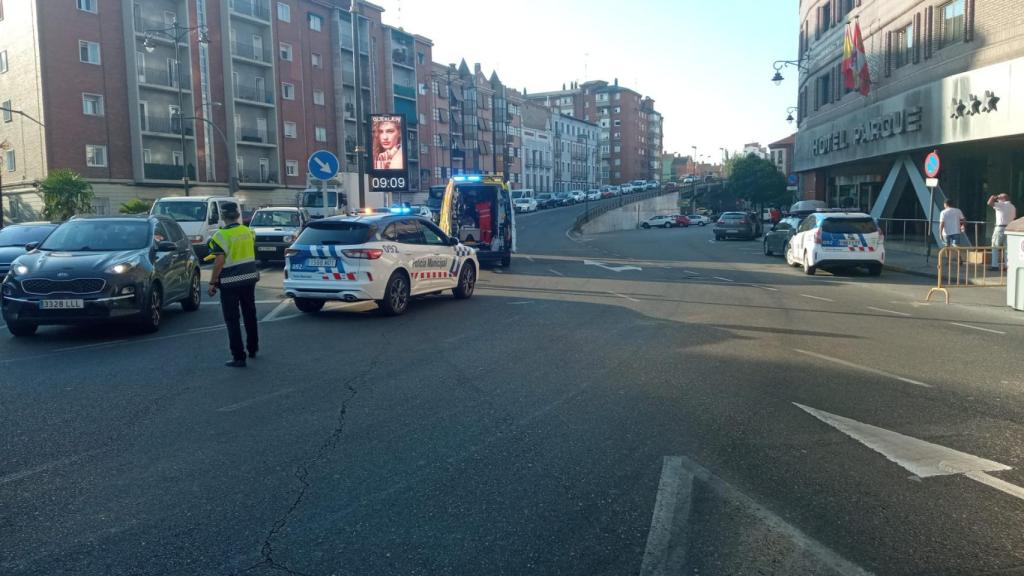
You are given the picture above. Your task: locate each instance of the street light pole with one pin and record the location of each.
(360, 149)
(693, 184)
(232, 167)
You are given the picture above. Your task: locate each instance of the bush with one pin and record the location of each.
(136, 206)
(65, 193)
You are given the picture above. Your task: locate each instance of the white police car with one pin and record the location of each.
(387, 258)
(834, 240)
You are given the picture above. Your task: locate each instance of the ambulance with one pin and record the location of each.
(478, 210)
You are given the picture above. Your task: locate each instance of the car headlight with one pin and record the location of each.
(288, 239)
(121, 268)
(19, 269)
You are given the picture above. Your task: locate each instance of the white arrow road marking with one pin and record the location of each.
(612, 268)
(859, 367)
(277, 311)
(923, 459)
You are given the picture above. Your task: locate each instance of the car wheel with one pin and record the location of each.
(309, 305)
(703, 223)
(467, 282)
(875, 269)
(396, 295)
(767, 250)
(808, 269)
(645, 225)
(22, 329)
(195, 294)
(152, 312)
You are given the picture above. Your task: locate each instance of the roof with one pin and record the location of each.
(282, 208)
(787, 141)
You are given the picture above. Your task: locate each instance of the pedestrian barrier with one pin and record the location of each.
(967, 267)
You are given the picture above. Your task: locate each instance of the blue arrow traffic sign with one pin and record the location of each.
(932, 165)
(323, 165)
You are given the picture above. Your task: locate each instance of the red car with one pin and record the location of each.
(682, 220)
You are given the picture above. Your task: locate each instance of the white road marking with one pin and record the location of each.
(712, 241)
(217, 302)
(921, 458)
(888, 311)
(251, 401)
(553, 271)
(496, 271)
(208, 328)
(766, 287)
(530, 258)
(520, 303)
(817, 298)
(674, 498)
(87, 346)
(978, 328)
(691, 273)
(863, 368)
(723, 279)
(612, 268)
(624, 296)
(270, 317)
(47, 466)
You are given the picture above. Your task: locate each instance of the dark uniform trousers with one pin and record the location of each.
(235, 299)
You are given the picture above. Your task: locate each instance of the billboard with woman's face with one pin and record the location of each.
(388, 153)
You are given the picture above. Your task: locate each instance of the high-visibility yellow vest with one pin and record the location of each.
(239, 246)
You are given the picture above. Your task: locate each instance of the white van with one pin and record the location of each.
(198, 216)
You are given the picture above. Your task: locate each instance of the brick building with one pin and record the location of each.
(947, 75)
(630, 142)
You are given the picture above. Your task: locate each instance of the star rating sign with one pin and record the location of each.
(991, 101)
(975, 105)
(958, 109)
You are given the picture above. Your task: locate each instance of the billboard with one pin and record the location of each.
(389, 167)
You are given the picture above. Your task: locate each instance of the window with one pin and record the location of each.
(904, 46)
(823, 90)
(316, 22)
(321, 134)
(10, 160)
(844, 8)
(147, 156)
(291, 167)
(176, 158)
(8, 114)
(88, 52)
(3, 61)
(435, 87)
(318, 97)
(825, 16)
(92, 104)
(95, 156)
(317, 60)
(284, 12)
(286, 51)
(88, 5)
(291, 130)
(287, 91)
(951, 23)
(409, 232)
(432, 234)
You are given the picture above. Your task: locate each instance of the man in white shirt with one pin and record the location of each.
(951, 224)
(1006, 212)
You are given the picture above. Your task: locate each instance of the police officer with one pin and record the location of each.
(236, 275)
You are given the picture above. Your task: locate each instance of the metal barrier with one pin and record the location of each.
(967, 267)
(915, 230)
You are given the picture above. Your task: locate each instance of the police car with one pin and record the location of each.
(834, 240)
(387, 258)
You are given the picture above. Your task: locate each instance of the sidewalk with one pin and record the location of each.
(991, 297)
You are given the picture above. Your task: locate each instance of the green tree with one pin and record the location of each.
(757, 180)
(136, 206)
(65, 193)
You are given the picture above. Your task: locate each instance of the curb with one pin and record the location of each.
(909, 271)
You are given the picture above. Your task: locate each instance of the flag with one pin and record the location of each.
(849, 77)
(860, 62)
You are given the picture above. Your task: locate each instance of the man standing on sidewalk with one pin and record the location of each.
(235, 273)
(951, 224)
(1006, 212)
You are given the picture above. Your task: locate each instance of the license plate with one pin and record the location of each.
(321, 262)
(732, 231)
(62, 304)
(266, 249)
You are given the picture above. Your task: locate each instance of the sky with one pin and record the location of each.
(707, 63)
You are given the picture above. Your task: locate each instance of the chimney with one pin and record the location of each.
(476, 68)
(563, 86)
(616, 81)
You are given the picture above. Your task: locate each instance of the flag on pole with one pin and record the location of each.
(860, 62)
(849, 77)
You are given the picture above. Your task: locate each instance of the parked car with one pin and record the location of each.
(736, 225)
(651, 185)
(836, 240)
(698, 219)
(777, 239)
(578, 196)
(102, 269)
(525, 204)
(609, 192)
(276, 229)
(689, 180)
(15, 237)
(683, 220)
(546, 200)
(670, 186)
(198, 216)
(593, 194)
(563, 199)
(659, 221)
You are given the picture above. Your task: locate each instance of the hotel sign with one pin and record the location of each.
(880, 127)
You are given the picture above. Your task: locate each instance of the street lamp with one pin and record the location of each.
(789, 113)
(780, 64)
(176, 34)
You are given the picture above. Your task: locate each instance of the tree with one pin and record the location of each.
(136, 206)
(65, 193)
(757, 180)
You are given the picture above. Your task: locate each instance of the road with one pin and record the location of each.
(646, 402)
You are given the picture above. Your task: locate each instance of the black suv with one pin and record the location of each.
(102, 269)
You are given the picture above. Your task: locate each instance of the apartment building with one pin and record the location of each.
(946, 75)
(631, 129)
(538, 138)
(575, 155)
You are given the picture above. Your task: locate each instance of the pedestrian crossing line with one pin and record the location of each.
(817, 298)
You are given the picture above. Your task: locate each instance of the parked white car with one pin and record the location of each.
(527, 204)
(698, 220)
(593, 194)
(578, 196)
(660, 221)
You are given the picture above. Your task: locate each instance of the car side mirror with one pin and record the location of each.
(165, 246)
(31, 246)
(453, 241)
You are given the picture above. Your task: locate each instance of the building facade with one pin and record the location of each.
(631, 129)
(575, 154)
(946, 75)
(538, 138)
(781, 154)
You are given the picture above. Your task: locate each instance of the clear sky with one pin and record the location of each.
(707, 63)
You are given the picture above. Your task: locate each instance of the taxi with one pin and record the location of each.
(837, 240)
(386, 258)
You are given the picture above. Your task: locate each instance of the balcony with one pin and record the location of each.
(162, 78)
(249, 52)
(251, 9)
(402, 57)
(142, 24)
(257, 177)
(255, 138)
(251, 94)
(405, 91)
(161, 126)
(167, 172)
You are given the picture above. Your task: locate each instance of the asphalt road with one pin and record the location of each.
(637, 414)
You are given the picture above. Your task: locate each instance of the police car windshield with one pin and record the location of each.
(99, 236)
(182, 211)
(335, 232)
(849, 226)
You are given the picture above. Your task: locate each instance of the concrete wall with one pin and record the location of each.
(630, 216)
